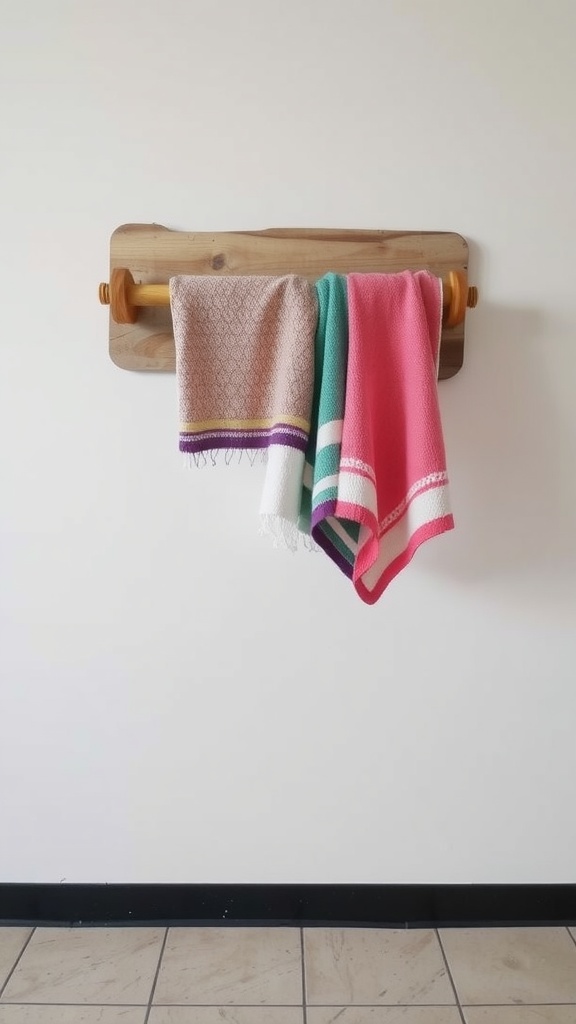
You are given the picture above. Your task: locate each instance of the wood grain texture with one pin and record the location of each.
(154, 254)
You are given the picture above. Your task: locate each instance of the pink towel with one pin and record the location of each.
(392, 479)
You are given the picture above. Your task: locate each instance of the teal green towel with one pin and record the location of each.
(320, 486)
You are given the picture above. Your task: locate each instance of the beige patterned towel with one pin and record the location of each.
(245, 368)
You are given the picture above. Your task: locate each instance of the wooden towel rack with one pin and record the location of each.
(143, 257)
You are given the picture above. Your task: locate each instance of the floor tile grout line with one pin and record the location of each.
(571, 934)
(398, 1006)
(156, 976)
(388, 1006)
(98, 1006)
(17, 961)
(527, 1006)
(297, 1006)
(447, 965)
(303, 960)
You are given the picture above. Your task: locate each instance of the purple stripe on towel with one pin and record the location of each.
(290, 438)
(283, 428)
(323, 511)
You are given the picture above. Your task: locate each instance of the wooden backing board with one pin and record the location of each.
(154, 254)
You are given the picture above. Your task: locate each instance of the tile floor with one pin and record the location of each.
(287, 976)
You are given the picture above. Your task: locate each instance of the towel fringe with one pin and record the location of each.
(285, 534)
(212, 456)
(309, 543)
(282, 532)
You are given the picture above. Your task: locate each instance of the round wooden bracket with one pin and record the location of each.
(122, 309)
(458, 281)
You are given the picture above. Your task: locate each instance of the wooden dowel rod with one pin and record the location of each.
(149, 294)
(159, 294)
(125, 297)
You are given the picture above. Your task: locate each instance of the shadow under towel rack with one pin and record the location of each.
(140, 324)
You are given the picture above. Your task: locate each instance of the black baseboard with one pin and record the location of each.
(384, 906)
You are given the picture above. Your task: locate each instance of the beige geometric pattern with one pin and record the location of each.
(244, 346)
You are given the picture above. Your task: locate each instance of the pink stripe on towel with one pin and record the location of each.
(392, 478)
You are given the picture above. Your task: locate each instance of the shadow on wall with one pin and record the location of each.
(513, 486)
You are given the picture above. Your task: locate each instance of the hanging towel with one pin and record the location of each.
(392, 480)
(320, 490)
(244, 367)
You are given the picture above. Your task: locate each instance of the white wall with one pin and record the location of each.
(178, 701)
